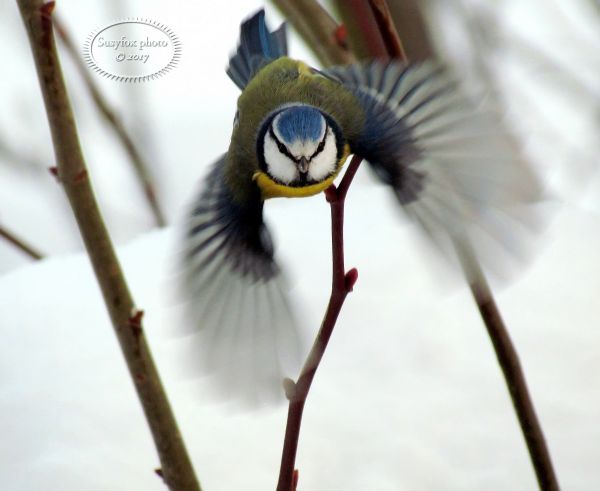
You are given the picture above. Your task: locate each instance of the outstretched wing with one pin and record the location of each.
(257, 47)
(449, 162)
(236, 293)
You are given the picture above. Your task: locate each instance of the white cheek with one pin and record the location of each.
(323, 164)
(278, 165)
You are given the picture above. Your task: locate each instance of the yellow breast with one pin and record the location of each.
(271, 189)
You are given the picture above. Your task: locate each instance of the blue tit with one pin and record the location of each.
(446, 161)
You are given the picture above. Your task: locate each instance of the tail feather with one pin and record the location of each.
(257, 47)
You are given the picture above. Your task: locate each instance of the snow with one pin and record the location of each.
(409, 395)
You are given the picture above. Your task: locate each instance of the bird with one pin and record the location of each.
(448, 163)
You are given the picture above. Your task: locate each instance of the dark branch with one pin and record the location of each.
(391, 40)
(511, 368)
(505, 351)
(341, 284)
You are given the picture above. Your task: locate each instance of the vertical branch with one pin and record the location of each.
(505, 351)
(126, 318)
(140, 166)
(20, 244)
(341, 284)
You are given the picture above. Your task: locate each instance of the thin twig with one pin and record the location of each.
(126, 318)
(318, 29)
(140, 167)
(20, 244)
(341, 284)
(505, 351)
(327, 40)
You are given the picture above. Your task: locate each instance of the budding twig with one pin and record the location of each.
(342, 283)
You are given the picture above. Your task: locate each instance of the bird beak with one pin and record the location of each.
(303, 165)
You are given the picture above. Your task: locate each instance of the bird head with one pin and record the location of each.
(300, 146)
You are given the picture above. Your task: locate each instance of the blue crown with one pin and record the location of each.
(300, 123)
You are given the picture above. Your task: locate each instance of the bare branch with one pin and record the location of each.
(508, 360)
(505, 351)
(408, 16)
(391, 40)
(140, 167)
(20, 244)
(363, 35)
(126, 318)
(318, 29)
(341, 284)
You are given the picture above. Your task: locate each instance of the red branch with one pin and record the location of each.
(341, 284)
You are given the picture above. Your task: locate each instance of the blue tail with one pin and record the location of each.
(258, 46)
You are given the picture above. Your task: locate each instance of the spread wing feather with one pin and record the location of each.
(449, 161)
(236, 294)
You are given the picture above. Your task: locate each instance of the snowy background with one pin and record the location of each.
(409, 395)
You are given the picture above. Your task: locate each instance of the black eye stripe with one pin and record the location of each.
(282, 148)
(321, 143)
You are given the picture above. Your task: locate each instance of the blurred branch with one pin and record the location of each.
(341, 284)
(318, 29)
(140, 167)
(408, 16)
(535, 57)
(505, 351)
(126, 318)
(20, 244)
(9, 153)
(391, 40)
(489, 36)
(508, 360)
(363, 35)
(486, 33)
(372, 29)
